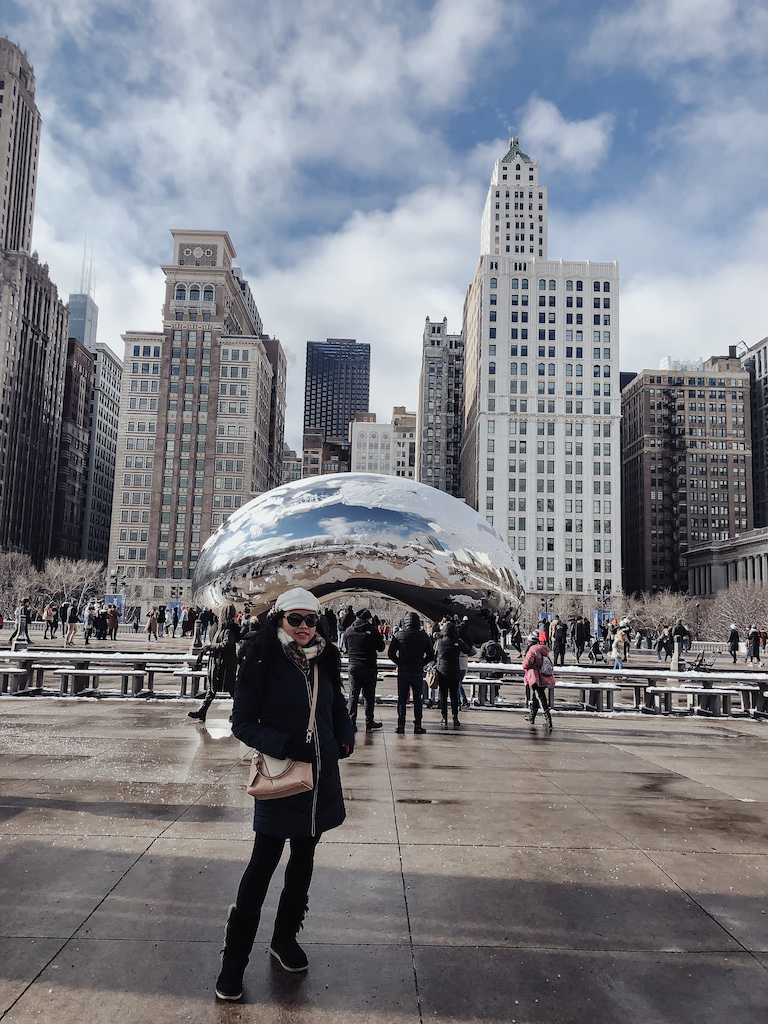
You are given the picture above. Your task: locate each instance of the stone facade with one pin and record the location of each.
(196, 415)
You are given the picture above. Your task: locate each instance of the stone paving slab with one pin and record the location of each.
(613, 871)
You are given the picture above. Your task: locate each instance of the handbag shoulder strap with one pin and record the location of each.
(312, 710)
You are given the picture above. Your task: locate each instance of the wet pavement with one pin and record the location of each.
(613, 871)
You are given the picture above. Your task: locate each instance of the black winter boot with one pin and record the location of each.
(284, 947)
(200, 714)
(548, 718)
(239, 934)
(533, 708)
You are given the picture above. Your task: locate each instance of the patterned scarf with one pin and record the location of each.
(301, 656)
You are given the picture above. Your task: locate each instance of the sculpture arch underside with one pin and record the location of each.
(353, 533)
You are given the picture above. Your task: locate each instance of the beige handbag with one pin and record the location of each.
(272, 778)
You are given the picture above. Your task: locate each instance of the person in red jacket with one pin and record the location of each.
(539, 674)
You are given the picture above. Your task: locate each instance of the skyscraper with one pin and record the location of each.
(439, 416)
(540, 446)
(99, 482)
(20, 125)
(756, 361)
(83, 319)
(336, 385)
(687, 468)
(33, 330)
(196, 413)
(71, 484)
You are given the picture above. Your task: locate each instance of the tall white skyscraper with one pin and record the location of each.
(540, 447)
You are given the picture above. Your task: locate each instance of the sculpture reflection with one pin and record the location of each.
(354, 532)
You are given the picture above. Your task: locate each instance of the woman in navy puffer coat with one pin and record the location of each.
(271, 714)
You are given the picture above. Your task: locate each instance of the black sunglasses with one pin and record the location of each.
(295, 620)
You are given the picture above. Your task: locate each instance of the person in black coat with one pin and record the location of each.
(558, 633)
(362, 641)
(448, 647)
(346, 621)
(271, 713)
(222, 662)
(411, 650)
(733, 642)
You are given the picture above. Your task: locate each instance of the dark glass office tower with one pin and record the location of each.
(336, 385)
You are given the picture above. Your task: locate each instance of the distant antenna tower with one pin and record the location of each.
(86, 276)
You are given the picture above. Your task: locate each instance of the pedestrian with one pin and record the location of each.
(558, 631)
(331, 623)
(618, 648)
(72, 620)
(64, 617)
(137, 620)
(160, 621)
(151, 627)
(539, 674)
(175, 620)
(346, 621)
(21, 629)
(514, 636)
(271, 714)
(581, 636)
(113, 621)
(411, 650)
(753, 644)
(51, 620)
(89, 619)
(184, 621)
(448, 648)
(733, 642)
(222, 662)
(362, 641)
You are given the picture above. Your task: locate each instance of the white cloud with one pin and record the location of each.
(659, 34)
(376, 280)
(560, 145)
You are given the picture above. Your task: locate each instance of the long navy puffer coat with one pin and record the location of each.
(272, 704)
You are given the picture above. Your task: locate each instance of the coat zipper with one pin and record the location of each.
(317, 747)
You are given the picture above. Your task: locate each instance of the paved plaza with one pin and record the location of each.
(613, 872)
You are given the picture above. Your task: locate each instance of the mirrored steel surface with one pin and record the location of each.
(354, 532)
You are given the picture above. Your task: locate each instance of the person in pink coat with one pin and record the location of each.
(539, 674)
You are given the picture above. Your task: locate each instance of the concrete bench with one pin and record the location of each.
(190, 677)
(10, 678)
(131, 680)
(601, 695)
(720, 699)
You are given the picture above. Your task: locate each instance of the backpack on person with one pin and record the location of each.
(546, 668)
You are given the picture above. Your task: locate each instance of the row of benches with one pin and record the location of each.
(84, 682)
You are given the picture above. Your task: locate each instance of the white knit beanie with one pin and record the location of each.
(297, 599)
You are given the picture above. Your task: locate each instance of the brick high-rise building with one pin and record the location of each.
(199, 416)
(686, 468)
(33, 329)
(439, 414)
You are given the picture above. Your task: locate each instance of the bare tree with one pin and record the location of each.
(743, 603)
(18, 579)
(75, 580)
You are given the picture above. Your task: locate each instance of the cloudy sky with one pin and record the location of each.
(347, 146)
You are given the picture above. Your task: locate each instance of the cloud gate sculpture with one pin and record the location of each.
(359, 532)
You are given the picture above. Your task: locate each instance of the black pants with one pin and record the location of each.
(362, 679)
(409, 682)
(265, 857)
(559, 652)
(538, 694)
(448, 688)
